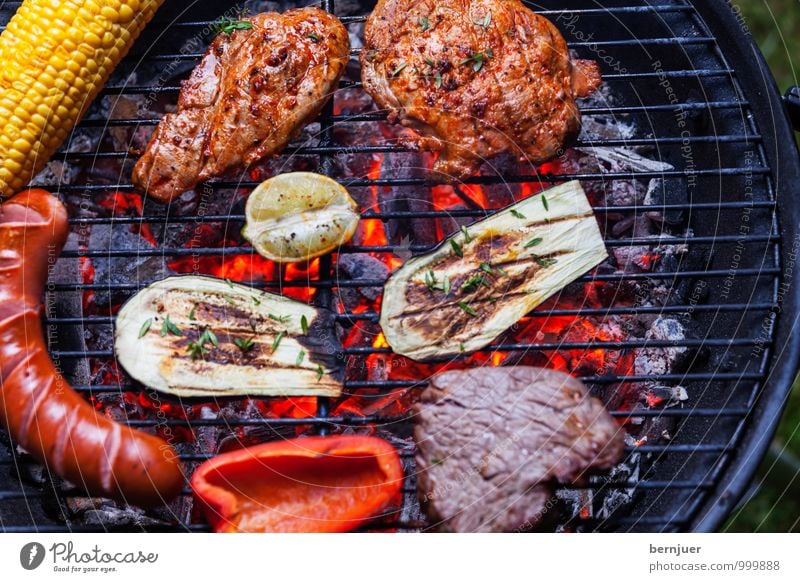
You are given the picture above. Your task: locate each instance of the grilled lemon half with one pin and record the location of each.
(298, 216)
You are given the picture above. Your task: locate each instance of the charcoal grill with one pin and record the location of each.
(734, 287)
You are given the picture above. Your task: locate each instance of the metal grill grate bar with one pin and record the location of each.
(585, 311)
(481, 180)
(382, 116)
(379, 215)
(327, 284)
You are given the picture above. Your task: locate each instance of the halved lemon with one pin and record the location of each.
(298, 216)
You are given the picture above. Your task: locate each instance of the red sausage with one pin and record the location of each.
(37, 405)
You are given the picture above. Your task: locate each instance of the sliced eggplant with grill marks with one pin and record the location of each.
(201, 336)
(486, 277)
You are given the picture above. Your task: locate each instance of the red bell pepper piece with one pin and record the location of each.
(313, 484)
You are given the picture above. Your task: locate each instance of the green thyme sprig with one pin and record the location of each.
(478, 59)
(168, 327)
(245, 344)
(228, 25)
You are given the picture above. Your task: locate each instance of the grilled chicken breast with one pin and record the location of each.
(251, 94)
(474, 78)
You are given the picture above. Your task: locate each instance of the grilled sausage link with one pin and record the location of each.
(37, 405)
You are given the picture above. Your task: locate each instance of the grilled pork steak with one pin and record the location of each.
(492, 440)
(251, 94)
(474, 78)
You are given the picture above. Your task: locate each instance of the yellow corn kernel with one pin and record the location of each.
(55, 56)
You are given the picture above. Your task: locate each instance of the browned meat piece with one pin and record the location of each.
(251, 94)
(491, 441)
(474, 78)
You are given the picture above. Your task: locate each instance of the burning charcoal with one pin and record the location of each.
(348, 7)
(67, 303)
(614, 498)
(29, 471)
(658, 395)
(642, 227)
(654, 361)
(256, 6)
(113, 271)
(82, 141)
(622, 160)
(96, 511)
(403, 166)
(125, 107)
(56, 173)
(671, 257)
(361, 266)
(623, 192)
(622, 226)
(631, 259)
(502, 193)
(666, 191)
(355, 30)
(605, 127)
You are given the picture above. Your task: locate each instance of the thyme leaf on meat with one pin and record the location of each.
(148, 323)
(196, 350)
(209, 336)
(467, 309)
(545, 262)
(478, 59)
(533, 242)
(430, 280)
(192, 316)
(228, 25)
(169, 327)
(473, 282)
(424, 23)
(437, 80)
(244, 344)
(487, 268)
(277, 341)
(313, 36)
(399, 69)
(434, 284)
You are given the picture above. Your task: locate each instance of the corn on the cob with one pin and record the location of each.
(55, 56)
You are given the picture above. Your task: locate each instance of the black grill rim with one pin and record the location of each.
(738, 48)
(717, 491)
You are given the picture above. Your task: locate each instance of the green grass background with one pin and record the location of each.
(773, 504)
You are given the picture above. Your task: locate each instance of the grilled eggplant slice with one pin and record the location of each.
(201, 336)
(483, 279)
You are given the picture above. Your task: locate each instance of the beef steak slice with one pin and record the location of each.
(491, 441)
